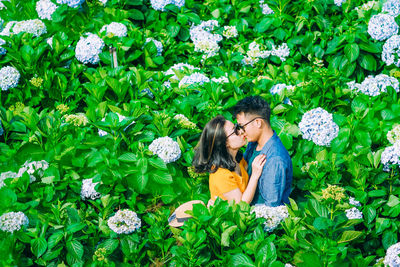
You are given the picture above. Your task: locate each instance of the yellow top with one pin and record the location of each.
(223, 181)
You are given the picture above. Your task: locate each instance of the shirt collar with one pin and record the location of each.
(269, 143)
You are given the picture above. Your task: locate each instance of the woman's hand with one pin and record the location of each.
(257, 165)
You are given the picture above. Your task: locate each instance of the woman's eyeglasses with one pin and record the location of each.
(237, 127)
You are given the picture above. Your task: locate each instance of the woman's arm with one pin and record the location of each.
(248, 194)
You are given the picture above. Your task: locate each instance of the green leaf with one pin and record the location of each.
(358, 105)
(364, 138)
(387, 115)
(348, 236)
(75, 248)
(54, 239)
(263, 25)
(370, 214)
(161, 177)
(225, 237)
(173, 29)
(393, 201)
(75, 227)
(352, 51)
(158, 163)
(367, 62)
(128, 157)
(241, 260)
(38, 246)
(136, 14)
(110, 245)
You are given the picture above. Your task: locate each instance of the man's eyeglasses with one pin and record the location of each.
(239, 127)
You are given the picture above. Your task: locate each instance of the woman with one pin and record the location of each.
(218, 153)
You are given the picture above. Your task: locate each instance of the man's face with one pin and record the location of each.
(248, 125)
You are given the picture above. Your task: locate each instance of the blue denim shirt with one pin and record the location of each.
(275, 183)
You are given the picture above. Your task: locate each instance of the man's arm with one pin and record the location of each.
(272, 181)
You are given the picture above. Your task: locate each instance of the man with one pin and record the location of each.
(274, 186)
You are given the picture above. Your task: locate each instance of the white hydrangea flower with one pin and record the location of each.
(33, 167)
(353, 213)
(391, 51)
(273, 215)
(354, 202)
(115, 29)
(367, 6)
(289, 265)
(158, 45)
(49, 41)
(3, 51)
(382, 27)
(230, 32)
(265, 9)
(318, 126)
(392, 258)
(7, 31)
(374, 86)
(88, 49)
(255, 53)
(160, 4)
(278, 88)
(9, 77)
(282, 51)
(88, 190)
(204, 40)
(13, 221)
(393, 135)
(179, 67)
(124, 222)
(45, 8)
(195, 78)
(391, 155)
(71, 3)
(33, 26)
(6, 175)
(339, 2)
(222, 79)
(166, 148)
(392, 7)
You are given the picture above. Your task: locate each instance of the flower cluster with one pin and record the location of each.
(184, 122)
(367, 6)
(166, 148)
(45, 8)
(71, 3)
(309, 165)
(124, 222)
(204, 40)
(88, 49)
(382, 26)
(339, 2)
(230, 32)
(374, 86)
(333, 192)
(7, 31)
(354, 202)
(255, 53)
(265, 9)
(13, 221)
(353, 213)
(278, 88)
(160, 4)
(36, 81)
(179, 67)
(195, 175)
(392, 258)
(9, 77)
(392, 7)
(273, 215)
(391, 155)
(33, 26)
(158, 45)
(222, 79)
(393, 135)
(33, 167)
(88, 190)
(79, 119)
(115, 29)
(195, 78)
(3, 51)
(100, 255)
(318, 126)
(391, 51)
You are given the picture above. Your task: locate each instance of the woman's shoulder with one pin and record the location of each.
(221, 172)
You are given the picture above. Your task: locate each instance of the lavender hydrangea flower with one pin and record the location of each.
(374, 86)
(392, 258)
(160, 4)
(166, 148)
(265, 9)
(339, 2)
(318, 126)
(391, 155)
(391, 51)
(45, 8)
(3, 51)
(382, 27)
(392, 7)
(124, 222)
(13, 221)
(9, 77)
(88, 49)
(195, 78)
(71, 3)
(353, 214)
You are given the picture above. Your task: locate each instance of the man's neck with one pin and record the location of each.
(264, 138)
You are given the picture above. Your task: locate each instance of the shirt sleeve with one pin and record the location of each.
(272, 181)
(225, 181)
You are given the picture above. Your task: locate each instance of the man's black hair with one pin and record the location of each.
(254, 105)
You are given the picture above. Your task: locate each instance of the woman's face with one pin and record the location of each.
(233, 141)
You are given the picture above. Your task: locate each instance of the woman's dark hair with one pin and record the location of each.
(255, 105)
(211, 152)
